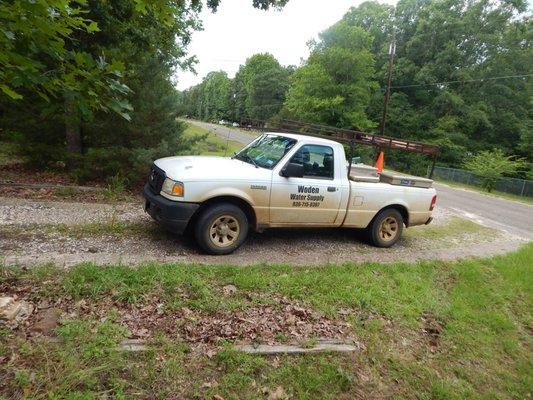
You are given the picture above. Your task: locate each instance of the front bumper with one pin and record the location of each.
(173, 215)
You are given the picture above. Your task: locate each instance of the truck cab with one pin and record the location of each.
(279, 180)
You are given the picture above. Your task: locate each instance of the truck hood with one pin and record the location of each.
(203, 168)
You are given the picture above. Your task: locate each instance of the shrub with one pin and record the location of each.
(491, 165)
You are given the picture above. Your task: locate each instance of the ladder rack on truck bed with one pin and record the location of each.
(352, 137)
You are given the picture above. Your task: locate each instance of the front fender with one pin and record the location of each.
(227, 192)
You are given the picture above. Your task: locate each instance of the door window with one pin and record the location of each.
(317, 161)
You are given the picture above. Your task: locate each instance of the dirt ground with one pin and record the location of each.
(39, 231)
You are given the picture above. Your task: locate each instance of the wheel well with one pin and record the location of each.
(242, 204)
(402, 210)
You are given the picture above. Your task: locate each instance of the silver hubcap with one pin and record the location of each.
(224, 231)
(388, 230)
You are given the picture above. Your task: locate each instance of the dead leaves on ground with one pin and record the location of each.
(257, 318)
(279, 320)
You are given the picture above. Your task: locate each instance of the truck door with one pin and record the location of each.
(313, 199)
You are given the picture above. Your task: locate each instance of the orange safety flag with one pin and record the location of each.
(380, 162)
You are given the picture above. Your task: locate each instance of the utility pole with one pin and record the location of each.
(234, 96)
(392, 51)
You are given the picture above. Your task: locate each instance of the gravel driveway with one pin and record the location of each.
(28, 236)
(36, 231)
(16, 211)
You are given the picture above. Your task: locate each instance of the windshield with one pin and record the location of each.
(266, 151)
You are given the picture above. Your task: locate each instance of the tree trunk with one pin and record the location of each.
(73, 133)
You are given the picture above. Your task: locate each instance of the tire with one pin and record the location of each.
(221, 229)
(386, 228)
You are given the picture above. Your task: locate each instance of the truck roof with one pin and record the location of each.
(299, 137)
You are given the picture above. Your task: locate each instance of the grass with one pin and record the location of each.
(455, 228)
(209, 143)
(431, 330)
(113, 227)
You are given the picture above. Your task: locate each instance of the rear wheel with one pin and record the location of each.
(221, 229)
(386, 228)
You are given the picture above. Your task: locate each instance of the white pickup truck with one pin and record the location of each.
(282, 180)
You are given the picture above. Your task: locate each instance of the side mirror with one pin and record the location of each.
(292, 170)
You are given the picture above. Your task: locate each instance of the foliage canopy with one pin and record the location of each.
(461, 77)
(65, 63)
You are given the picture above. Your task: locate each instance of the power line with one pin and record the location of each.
(463, 81)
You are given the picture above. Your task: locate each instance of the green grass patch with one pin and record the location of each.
(209, 143)
(455, 227)
(431, 330)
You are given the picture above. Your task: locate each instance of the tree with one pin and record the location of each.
(460, 77)
(64, 61)
(444, 53)
(261, 4)
(34, 54)
(215, 96)
(58, 50)
(238, 96)
(313, 96)
(265, 84)
(37, 56)
(257, 91)
(335, 85)
(491, 165)
(38, 53)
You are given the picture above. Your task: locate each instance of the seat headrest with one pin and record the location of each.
(305, 155)
(328, 161)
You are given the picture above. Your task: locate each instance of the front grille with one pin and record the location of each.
(156, 179)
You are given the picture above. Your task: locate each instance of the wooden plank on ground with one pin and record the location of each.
(133, 345)
(319, 347)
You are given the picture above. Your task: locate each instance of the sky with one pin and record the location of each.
(237, 31)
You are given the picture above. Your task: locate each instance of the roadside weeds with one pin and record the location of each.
(430, 329)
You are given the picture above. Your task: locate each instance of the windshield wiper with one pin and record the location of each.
(248, 148)
(244, 157)
(252, 160)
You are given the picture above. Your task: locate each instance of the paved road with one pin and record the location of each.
(235, 135)
(508, 215)
(511, 216)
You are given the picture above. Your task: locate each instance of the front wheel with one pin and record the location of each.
(386, 228)
(221, 229)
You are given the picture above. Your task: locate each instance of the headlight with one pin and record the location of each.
(173, 188)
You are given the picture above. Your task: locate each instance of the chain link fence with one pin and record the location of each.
(520, 187)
